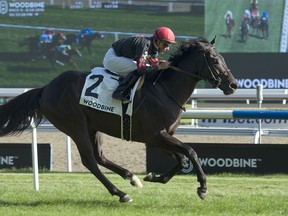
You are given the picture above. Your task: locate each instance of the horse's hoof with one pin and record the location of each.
(135, 181)
(125, 198)
(202, 193)
(149, 177)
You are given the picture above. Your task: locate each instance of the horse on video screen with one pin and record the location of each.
(62, 58)
(157, 109)
(33, 45)
(244, 30)
(264, 27)
(229, 26)
(85, 41)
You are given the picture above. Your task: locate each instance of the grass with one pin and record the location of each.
(81, 194)
(18, 70)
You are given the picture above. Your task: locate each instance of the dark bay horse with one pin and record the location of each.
(264, 27)
(56, 57)
(33, 45)
(229, 26)
(86, 41)
(157, 112)
(244, 30)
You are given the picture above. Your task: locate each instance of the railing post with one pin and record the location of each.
(69, 159)
(259, 101)
(35, 156)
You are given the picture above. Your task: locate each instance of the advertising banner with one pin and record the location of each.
(251, 69)
(227, 158)
(13, 155)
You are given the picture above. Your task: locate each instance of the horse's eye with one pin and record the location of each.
(216, 61)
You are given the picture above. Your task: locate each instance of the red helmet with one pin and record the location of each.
(164, 33)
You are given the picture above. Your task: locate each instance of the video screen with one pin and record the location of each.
(41, 39)
(248, 25)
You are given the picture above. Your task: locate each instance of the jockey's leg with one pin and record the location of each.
(123, 90)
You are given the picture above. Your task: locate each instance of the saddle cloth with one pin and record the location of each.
(97, 92)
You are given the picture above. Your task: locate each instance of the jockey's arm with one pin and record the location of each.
(144, 68)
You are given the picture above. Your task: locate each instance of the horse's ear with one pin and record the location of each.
(213, 41)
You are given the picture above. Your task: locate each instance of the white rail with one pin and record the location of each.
(211, 94)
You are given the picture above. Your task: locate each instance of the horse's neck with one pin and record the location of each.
(180, 86)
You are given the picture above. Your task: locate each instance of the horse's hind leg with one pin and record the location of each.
(103, 161)
(164, 178)
(78, 131)
(85, 148)
(168, 143)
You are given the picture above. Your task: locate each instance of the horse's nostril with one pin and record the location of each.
(234, 85)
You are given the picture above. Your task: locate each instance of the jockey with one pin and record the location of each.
(135, 56)
(45, 39)
(83, 32)
(247, 15)
(50, 32)
(264, 16)
(254, 13)
(228, 14)
(63, 48)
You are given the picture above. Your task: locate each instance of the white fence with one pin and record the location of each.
(116, 34)
(199, 94)
(246, 95)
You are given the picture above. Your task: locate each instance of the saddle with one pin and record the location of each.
(97, 94)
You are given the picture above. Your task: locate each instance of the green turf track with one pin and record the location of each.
(215, 25)
(73, 194)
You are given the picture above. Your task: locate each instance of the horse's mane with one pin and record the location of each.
(186, 47)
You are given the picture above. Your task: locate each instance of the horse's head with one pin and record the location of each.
(97, 35)
(209, 64)
(216, 71)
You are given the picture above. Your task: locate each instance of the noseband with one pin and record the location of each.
(215, 81)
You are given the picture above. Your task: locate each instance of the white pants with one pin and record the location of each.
(118, 64)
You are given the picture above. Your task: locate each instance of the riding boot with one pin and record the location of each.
(123, 90)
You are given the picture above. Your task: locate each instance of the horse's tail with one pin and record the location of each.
(17, 114)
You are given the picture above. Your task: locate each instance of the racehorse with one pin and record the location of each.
(229, 26)
(33, 45)
(255, 18)
(39, 48)
(244, 30)
(157, 112)
(86, 41)
(264, 27)
(56, 57)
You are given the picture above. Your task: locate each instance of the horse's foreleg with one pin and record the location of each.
(103, 161)
(170, 144)
(89, 49)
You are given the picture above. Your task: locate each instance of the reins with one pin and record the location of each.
(217, 81)
(185, 72)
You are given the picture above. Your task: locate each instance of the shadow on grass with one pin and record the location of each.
(15, 56)
(58, 202)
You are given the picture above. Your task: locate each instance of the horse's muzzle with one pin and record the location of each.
(232, 88)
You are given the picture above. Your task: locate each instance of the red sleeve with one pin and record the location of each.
(153, 61)
(143, 68)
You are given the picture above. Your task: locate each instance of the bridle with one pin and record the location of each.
(215, 81)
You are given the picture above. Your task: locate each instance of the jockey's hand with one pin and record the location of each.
(163, 64)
